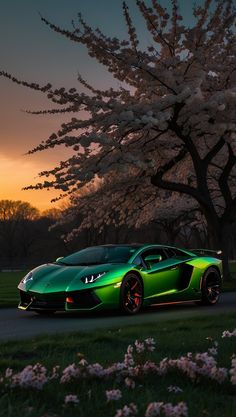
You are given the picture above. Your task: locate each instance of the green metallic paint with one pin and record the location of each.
(160, 283)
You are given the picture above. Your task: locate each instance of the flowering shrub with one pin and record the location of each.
(167, 410)
(30, 377)
(134, 367)
(194, 366)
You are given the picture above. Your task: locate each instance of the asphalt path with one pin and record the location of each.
(18, 324)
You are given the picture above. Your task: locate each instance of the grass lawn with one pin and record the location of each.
(8, 288)
(204, 397)
(9, 281)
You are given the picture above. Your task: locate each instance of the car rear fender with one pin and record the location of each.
(203, 263)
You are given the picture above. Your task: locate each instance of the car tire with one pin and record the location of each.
(211, 287)
(131, 294)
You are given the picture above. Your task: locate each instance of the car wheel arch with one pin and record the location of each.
(214, 267)
(135, 273)
(131, 274)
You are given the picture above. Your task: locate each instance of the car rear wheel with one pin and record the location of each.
(131, 294)
(211, 287)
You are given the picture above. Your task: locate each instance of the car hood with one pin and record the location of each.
(60, 278)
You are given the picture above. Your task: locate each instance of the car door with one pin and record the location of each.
(161, 279)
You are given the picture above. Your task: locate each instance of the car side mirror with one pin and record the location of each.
(59, 259)
(152, 259)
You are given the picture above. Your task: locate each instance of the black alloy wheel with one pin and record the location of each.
(211, 287)
(131, 294)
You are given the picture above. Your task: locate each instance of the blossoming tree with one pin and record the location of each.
(171, 123)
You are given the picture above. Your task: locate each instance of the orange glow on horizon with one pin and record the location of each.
(18, 173)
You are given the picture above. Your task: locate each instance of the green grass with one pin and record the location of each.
(9, 280)
(8, 288)
(204, 397)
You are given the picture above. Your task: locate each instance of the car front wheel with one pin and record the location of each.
(131, 294)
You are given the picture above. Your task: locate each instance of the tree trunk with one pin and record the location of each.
(225, 239)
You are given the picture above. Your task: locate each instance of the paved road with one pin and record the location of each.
(17, 324)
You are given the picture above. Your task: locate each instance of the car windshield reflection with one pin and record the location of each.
(99, 255)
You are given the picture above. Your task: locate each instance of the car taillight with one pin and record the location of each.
(69, 300)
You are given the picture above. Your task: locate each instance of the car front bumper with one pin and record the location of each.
(83, 300)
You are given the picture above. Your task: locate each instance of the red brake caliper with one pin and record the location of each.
(136, 295)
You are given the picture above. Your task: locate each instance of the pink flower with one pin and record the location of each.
(150, 344)
(233, 371)
(83, 362)
(8, 373)
(226, 333)
(154, 409)
(128, 360)
(139, 346)
(96, 370)
(163, 366)
(213, 351)
(150, 367)
(129, 383)
(179, 410)
(174, 389)
(113, 395)
(130, 349)
(219, 374)
(71, 399)
(30, 377)
(55, 372)
(69, 373)
(127, 411)
(168, 410)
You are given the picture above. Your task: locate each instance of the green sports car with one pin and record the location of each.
(128, 277)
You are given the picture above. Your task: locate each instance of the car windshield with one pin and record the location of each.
(100, 255)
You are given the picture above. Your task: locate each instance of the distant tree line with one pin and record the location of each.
(25, 239)
(29, 238)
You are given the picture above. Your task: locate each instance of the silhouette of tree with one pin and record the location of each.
(16, 219)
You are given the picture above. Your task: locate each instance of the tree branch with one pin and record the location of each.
(213, 152)
(158, 180)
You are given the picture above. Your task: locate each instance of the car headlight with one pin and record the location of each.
(27, 278)
(88, 279)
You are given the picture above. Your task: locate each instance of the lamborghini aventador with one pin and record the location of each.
(127, 277)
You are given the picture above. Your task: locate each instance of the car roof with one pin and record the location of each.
(140, 246)
(144, 245)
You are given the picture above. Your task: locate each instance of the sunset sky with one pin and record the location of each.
(31, 51)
